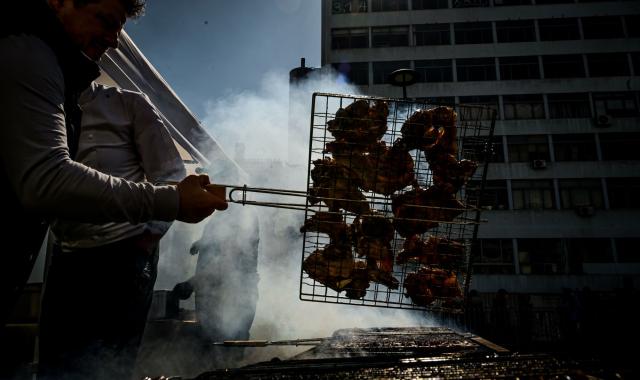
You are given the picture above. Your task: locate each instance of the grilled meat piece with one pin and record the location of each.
(418, 132)
(330, 223)
(333, 272)
(418, 210)
(383, 277)
(359, 284)
(374, 249)
(428, 283)
(449, 174)
(360, 123)
(386, 170)
(374, 226)
(336, 186)
(434, 251)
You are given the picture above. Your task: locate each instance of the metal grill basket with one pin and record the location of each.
(338, 265)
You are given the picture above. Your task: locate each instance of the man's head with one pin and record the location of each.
(94, 25)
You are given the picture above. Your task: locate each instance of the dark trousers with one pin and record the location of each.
(94, 310)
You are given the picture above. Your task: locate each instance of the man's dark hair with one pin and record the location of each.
(133, 8)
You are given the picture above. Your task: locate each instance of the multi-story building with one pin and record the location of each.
(563, 190)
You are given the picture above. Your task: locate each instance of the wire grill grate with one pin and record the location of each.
(474, 129)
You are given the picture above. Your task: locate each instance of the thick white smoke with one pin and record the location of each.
(275, 156)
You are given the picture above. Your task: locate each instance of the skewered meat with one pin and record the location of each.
(330, 223)
(434, 251)
(418, 210)
(333, 272)
(449, 174)
(336, 186)
(359, 123)
(428, 283)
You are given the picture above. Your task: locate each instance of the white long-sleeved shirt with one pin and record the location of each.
(122, 135)
(35, 156)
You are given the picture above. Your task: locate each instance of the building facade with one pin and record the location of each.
(563, 190)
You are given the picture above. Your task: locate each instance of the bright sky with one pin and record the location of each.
(207, 49)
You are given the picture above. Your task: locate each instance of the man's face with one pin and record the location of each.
(94, 26)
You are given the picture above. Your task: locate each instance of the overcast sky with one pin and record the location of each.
(207, 49)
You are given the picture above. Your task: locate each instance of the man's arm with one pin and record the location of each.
(34, 149)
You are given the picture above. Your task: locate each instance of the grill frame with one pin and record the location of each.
(475, 127)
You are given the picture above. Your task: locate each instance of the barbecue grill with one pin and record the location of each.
(472, 132)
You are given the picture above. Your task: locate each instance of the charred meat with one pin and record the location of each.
(418, 210)
(434, 251)
(336, 186)
(360, 123)
(427, 284)
(333, 272)
(330, 223)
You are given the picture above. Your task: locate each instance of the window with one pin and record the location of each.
(519, 68)
(580, 192)
(432, 34)
(633, 25)
(349, 38)
(436, 70)
(540, 256)
(568, 106)
(355, 72)
(616, 104)
(493, 256)
(557, 29)
(429, 4)
(523, 106)
(476, 69)
(498, 3)
(627, 249)
(608, 64)
(623, 192)
(540, 2)
(390, 36)
(575, 147)
(587, 250)
(495, 195)
(532, 194)
(490, 101)
(381, 70)
(602, 27)
(348, 6)
(389, 5)
(515, 31)
(620, 146)
(473, 33)
(528, 148)
(563, 66)
(635, 61)
(470, 3)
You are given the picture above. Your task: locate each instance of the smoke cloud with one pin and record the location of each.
(269, 131)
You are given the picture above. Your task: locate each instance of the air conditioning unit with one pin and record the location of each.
(585, 210)
(539, 164)
(603, 121)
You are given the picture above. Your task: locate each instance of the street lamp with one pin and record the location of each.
(403, 78)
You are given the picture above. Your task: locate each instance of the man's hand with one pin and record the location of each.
(197, 200)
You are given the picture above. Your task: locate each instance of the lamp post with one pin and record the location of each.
(403, 78)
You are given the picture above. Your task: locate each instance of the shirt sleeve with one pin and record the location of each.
(159, 156)
(34, 153)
